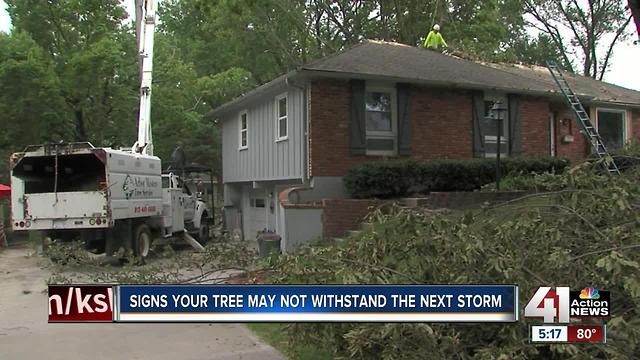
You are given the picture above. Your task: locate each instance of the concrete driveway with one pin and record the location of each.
(25, 333)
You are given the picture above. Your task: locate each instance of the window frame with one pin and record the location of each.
(504, 138)
(625, 117)
(377, 134)
(253, 202)
(241, 130)
(278, 118)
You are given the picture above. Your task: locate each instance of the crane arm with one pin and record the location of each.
(146, 11)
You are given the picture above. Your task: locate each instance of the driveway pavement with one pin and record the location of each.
(25, 333)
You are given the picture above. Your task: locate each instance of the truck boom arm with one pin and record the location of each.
(145, 27)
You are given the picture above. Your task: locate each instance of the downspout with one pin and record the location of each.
(281, 220)
(305, 127)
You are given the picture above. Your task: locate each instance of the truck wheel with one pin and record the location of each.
(203, 231)
(141, 241)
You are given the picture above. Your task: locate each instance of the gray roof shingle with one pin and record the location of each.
(380, 59)
(582, 85)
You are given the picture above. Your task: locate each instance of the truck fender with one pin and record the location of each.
(201, 208)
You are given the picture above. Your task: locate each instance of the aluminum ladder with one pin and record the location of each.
(589, 131)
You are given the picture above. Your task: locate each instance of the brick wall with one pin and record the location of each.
(566, 124)
(342, 215)
(441, 127)
(441, 124)
(329, 112)
(535, 127)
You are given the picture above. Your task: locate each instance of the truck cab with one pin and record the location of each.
(194, 216)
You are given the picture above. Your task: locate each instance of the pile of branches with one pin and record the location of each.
(585, 231)
(71, 263)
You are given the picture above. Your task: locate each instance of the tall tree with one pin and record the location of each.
(587, 30)
(30, 101)
(94, 57)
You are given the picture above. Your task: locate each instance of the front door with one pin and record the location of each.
(255, 214)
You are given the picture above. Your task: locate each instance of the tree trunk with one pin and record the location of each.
(81, 132)
(634, 5)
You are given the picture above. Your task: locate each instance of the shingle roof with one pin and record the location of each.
(380, 59)
(582, 85)
(401, 61)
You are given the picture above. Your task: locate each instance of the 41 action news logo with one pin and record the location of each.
(562, 304)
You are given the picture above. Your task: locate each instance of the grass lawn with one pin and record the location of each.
(276, 336)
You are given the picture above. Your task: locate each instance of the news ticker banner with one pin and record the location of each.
(283, 303)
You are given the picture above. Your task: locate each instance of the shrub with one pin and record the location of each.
(383, 179)
(386, 179)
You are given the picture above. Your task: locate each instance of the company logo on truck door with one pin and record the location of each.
(138, 186)
(128, 187)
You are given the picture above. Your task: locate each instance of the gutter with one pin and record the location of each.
(305, 71)
(449, 84)
(453, 85)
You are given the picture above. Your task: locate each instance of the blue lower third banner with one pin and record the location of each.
(316, 303)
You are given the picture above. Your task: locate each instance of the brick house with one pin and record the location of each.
(288, 143)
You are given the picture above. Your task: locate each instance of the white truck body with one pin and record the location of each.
(94, 187)
(76, 189)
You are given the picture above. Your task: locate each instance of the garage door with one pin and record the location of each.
(256, 214)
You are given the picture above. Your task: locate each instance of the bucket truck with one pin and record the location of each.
(110, 198)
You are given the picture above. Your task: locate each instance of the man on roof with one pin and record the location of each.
(434, 40)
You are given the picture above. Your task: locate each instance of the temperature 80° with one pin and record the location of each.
(585, 334)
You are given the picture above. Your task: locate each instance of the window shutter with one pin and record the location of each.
(515, 131)
(404, 120)
(478, 115)
(357, 126)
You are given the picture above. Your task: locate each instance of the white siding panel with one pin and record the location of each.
(265, 159)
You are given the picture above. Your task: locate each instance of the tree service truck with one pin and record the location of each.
(110, 198)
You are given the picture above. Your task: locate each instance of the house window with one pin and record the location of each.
(257, 202)
(490, 127)
(381, 121)
(611, 126)
(281, 118)
(244, 131)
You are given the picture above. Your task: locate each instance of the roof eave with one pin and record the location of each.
(450, 84)
(251, 94)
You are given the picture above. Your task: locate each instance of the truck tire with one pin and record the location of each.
(203, 230)
(141, 241)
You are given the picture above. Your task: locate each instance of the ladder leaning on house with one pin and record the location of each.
(589, 131)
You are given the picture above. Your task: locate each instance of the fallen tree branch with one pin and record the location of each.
(543, 194)
(604, 251)
(377, 267)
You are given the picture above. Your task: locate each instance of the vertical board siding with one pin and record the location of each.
(265, 159)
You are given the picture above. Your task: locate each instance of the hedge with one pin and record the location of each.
(396, 178)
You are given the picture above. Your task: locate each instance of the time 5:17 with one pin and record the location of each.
(549, 333)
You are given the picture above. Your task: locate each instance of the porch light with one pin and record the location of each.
(497, 112)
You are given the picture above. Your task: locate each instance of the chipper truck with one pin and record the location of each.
(110, 198)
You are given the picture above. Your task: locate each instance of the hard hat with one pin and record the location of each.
(436, 27)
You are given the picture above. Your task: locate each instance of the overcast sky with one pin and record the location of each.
(623, 70)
